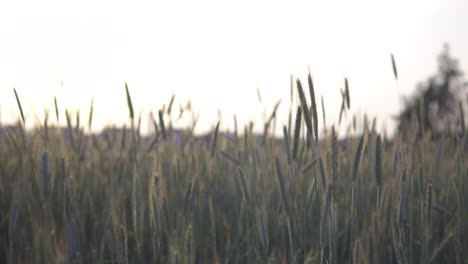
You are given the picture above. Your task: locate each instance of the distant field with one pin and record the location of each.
(231, 197)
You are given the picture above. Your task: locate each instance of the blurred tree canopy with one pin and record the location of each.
(436, 105)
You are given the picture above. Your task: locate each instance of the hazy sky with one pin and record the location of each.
(218, 53)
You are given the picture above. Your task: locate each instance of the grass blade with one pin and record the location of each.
(378, 162)
(91, 110)
(334, 155)
(282, 186)
(286, 141)
(19, 106)
(169, 108)
(462, 119)
(324, 119)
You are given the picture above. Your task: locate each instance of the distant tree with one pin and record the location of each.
(435, 105)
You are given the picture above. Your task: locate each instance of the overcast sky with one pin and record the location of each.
(218, 53)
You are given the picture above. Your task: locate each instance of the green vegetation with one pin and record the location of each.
(174, 197)
(434, 106)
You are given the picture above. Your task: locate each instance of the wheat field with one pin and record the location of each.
(68, 196)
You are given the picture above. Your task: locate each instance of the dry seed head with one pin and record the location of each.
(91, 110)
(56, 109)
(348, 99)
(297, 132)
(19, 105)
(129, 102)
(305, 108)
(313, 105)
(395, 72)
(358, 155)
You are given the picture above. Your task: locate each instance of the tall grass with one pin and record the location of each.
(121, 197)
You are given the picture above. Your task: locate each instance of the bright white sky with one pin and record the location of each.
(218, 53)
